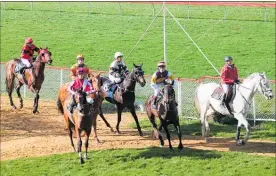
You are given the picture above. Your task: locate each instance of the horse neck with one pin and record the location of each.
(248, 89)
(129, 83)
(39, 67)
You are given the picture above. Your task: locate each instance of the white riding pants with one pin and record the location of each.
(114, 79)
(225, 87)
(26, 62)
(156, 88)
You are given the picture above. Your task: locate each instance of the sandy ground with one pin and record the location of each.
(24, 134)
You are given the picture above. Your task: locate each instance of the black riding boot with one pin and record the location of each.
(72, 104)
(154, 103)
(222, 100)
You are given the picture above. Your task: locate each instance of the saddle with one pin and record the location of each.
(19, 66)
(218, 92)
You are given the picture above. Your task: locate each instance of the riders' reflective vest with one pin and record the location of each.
(159, 77)
(228, 74)
(74, 69)
(117, 67)
(78, 83)
(28, 52)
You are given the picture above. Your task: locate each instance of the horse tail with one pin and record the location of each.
(8, 89)
(59, 106)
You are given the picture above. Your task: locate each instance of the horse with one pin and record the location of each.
(64, 94)
(207, 105)
(167, 113)
(33, 77)
(82, 120)
(124, 95)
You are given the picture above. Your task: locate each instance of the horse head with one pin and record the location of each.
(44, 56)
(82, 104)
(169, 93)
(264, 86)
(96, 81)
(138, 74)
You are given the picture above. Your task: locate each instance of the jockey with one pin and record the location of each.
(80, 63)
(158, 78)
(229, 76)
(117, 70)
(27, 53)
(80, 82)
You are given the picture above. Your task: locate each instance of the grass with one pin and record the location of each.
(149, 162)
(262, 131)
(244, 35)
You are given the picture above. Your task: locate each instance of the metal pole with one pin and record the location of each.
(153, 13)
(4, 5)
(179, 98)
(188, 12)
(164, 33)
(61, 77)
(225, 13)
(265, 14)
(59, 7)
(254, 112)
(89, 8)
(31, 4)
(121, 11)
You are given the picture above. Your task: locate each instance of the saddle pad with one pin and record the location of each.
(18, 66)
(217, 94)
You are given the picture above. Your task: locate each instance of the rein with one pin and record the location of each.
(242, 94)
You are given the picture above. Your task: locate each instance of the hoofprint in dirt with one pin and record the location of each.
(24, 134)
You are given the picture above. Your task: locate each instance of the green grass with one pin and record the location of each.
(244, 35)
(262, 131)
(148, 162)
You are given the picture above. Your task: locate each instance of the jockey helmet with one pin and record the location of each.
(161, 63)
(227, 58)
(118, 54)
(80, 70)
(80, 56)
(29, 40)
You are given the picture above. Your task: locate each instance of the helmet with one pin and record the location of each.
(80, 70)
(118, 54)
(161, 63)
(80, 56)
(28, 40)
(227, 58)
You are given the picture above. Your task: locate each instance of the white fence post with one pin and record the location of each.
(59, 7)
(153, 8)
(61, 77)
(225, 13)
(25, 90)
(121, 11)
(254, 112)
(179, 97)
(188, 12)
(89, 8)
(265, 11)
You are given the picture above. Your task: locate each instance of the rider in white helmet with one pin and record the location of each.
(117, 70)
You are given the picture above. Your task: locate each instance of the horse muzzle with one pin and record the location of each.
(50, 62)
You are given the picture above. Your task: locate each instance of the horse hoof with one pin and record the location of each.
(180, 148)
(171, 149)
(97, 141)
(140, 133)
(21, 106)
(240, 142)
(118, 132)
(14, 107)
(81, 161)
(111, 129)
(34, 111)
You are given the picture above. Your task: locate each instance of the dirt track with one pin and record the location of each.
(24, 134)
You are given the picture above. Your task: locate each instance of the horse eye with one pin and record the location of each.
(42, 54)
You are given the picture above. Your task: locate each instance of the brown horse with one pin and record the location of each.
(33, 77)
(82, 120)
(167, 113)
(63, 95)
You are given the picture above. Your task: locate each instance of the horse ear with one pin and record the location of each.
(134, 65)
(47, 47)
(141, 64)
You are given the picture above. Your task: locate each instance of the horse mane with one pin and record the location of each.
(252, 76)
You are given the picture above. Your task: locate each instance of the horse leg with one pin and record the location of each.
(119, 116)
(133, 113)
(18, 93)
(35, 102)
(153, 123)
(204, 122)
(9, 85)
(242, 121)
(88, 132)
(94, 125)
(79, 145)
(103, 118)
(177, 127)
(165, 126)
(71, 136)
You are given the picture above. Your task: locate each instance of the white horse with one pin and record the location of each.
(240, 104)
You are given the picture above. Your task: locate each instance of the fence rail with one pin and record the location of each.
(261, 109)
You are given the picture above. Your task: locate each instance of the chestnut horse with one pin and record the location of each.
(63, 95)
(33, 77)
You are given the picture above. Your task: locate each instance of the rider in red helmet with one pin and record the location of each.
(27, 53)
(80, 82)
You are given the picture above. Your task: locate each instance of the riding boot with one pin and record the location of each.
(72, 105)
(154, 102)
(222, 100)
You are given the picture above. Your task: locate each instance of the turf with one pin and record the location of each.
(101, 30)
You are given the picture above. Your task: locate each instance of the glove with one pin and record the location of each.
(237, 81)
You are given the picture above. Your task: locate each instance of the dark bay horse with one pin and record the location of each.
(63, 94)
(167, 113)
(124, 95)
(33, 77)
(82, 120)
